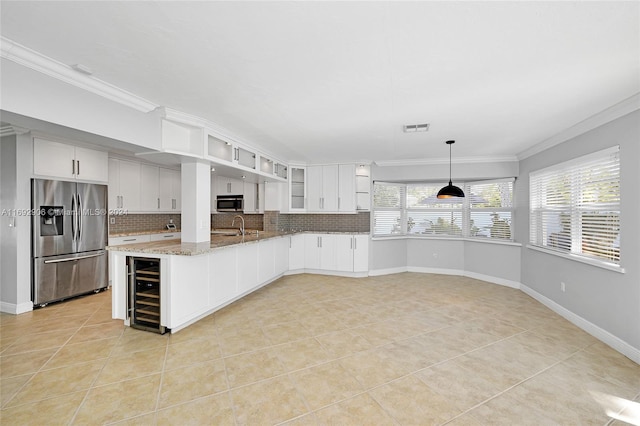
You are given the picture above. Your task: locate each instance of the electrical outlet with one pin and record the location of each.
(112, 220)
(563, 286)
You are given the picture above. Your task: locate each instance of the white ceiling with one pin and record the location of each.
(335, 81)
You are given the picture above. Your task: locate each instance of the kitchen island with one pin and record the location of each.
(198, 279)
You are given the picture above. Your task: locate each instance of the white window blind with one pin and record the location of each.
(491, 209)
(428, 215)
(575, 206)
(388, 204)
(414, 209)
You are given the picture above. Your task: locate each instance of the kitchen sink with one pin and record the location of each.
(226, 232)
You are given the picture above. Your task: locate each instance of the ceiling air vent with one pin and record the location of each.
(413, 128)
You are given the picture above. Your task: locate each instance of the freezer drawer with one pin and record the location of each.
(61, 277)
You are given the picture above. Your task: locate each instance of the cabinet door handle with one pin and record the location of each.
(78, 161)
(173, 203)
(158, 203)
(73, 167)
(289, 242)
(355, 243)
(338, 203)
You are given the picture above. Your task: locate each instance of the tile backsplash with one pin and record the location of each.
(224, 220)
(142, 222)
(269, 221)
(276, 221)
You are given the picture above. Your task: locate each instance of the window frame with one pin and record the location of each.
(464, 211)
(539, 205)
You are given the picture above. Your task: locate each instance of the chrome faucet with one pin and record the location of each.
(241, 219)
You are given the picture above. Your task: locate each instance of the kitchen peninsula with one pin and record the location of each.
(200, 278)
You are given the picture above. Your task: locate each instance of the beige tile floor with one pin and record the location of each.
(410, 349)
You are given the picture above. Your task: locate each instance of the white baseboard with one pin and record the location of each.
(440, 271)
(388, 271)
(12, 308)
(494, 280)
(615, 342)
(332, 273)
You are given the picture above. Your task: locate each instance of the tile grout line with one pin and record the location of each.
(515, 385)
(226, 373)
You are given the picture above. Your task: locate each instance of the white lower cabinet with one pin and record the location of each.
(281, 250)
(320, 252)
(333, 252)
(344, 253)
(118, 241)
(296, 251)
(247, 267)
(186, 294)
(223, 284)
(266, 260)
(165, 236)
(360, 253)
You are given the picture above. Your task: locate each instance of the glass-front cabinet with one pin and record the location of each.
(297, 188)
(245, 158)
(219, 149)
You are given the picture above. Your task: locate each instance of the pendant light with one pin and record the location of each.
(450, 191)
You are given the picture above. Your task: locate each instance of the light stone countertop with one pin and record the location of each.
(133, 233)
(179, 248)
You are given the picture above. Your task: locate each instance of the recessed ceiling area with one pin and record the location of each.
(336, 81)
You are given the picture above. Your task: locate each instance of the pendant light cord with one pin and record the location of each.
(450, 164)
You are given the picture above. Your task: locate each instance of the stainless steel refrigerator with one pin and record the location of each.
(69, 235)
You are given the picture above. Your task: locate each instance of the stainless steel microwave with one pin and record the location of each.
(229, 203)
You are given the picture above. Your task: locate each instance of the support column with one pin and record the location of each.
(196, 201)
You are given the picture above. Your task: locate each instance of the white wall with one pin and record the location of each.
(15, 276)
(388, 256)
(440, 172)
(34, 94)
(496, 263)
(608, 300)
(435, 254)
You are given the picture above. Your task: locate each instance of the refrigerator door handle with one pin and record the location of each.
(69, 259)
(79, 214)
(73, 217)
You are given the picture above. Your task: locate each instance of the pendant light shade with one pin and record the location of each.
(450, 191)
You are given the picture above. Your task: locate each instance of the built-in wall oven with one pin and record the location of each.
(230, 203)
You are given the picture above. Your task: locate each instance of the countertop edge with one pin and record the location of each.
(178, 248)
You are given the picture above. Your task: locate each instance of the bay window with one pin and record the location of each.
(486, 212)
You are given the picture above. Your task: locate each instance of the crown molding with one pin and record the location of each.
(9, 130)
(36, 61)
(435, 161)
(616, 111)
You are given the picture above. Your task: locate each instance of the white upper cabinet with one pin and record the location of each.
(219, 149)
(250, 198)
(363, 187)
(331, 189)
(139, 187)
(64, 161)
(346, 188)
(228, 186)
(124, 185)
(149, 188)
(297, 189)
(169, 190)
(322, 187)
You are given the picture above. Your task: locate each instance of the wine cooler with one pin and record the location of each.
(144, 294)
